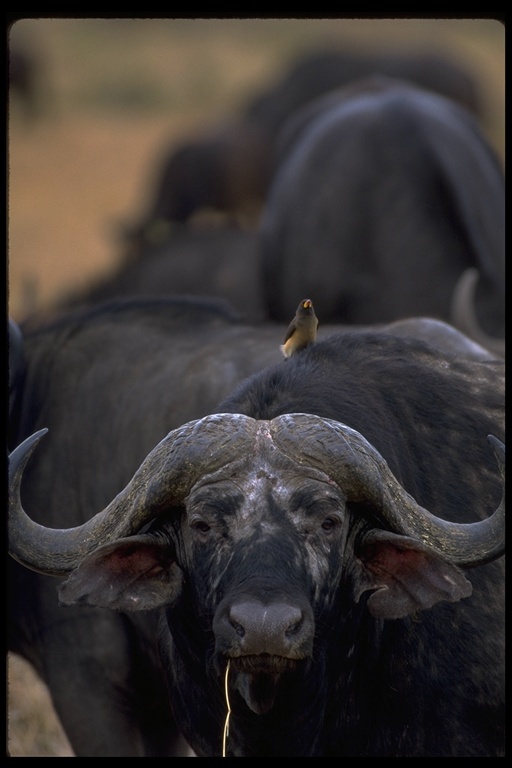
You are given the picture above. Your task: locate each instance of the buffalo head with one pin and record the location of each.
(255, 521)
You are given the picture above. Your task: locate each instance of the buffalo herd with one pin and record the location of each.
(221, 552)
(228, 165)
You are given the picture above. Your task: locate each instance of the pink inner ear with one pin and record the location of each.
(131, 558)
(132, 574)
(407, 576)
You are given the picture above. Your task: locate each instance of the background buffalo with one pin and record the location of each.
(229, 167)
(91, 163)
(221, 261)
(385, 196)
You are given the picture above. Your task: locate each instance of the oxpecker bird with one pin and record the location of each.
(302, 329)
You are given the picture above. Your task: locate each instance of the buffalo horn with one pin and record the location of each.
(204, 446)
(163, 480)
(463, 314)
(363, 475)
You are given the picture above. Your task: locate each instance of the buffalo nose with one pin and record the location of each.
(275, 629)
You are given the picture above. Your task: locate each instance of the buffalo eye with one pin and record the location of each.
(200, 526)
(328, 524)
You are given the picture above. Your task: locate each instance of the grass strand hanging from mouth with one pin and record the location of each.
(226, 724)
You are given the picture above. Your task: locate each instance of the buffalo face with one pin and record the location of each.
(261, 551)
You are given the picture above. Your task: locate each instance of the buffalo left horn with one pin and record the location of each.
(363, 475)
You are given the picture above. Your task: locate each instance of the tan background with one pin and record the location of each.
(114, 92)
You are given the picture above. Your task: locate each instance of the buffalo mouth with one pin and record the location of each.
(257, 679)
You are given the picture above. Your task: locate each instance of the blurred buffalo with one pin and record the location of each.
(223, 169)
(319, 71)
(228, 166)
(221, 262)
(25, 76)
(385, 196)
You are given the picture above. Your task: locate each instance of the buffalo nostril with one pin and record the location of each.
(266, 628)
(294, 628)
(238, 628)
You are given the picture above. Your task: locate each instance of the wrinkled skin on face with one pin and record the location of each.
(260, 552)
(257, 549)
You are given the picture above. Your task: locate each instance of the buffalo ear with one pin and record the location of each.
(407, 575)
(136, 573)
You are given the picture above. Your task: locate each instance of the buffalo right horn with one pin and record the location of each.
(163, 480)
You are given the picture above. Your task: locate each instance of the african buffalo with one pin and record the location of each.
(25, 70)
(216, 261)
(300, 557)
(386, 196)
(318, 71)
(227, 166)
(220, 171)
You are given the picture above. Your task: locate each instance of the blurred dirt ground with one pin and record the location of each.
(112, 93)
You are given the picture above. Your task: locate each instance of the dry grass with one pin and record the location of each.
(115, 91)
